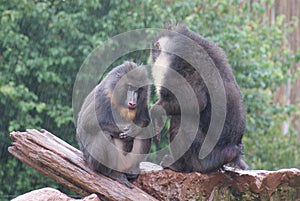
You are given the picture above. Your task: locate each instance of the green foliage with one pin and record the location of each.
(44, 43)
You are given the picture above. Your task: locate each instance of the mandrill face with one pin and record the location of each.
(168, 55)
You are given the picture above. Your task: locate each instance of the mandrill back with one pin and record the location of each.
(228, 148)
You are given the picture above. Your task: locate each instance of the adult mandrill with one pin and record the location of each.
(111, 127)
(180, 52)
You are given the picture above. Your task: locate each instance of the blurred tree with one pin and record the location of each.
(44, 43)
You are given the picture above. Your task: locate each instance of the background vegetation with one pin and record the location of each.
(44, 43)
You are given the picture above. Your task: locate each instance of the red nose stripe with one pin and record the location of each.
(131, 105)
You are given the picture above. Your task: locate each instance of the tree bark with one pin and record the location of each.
(230, 184)
(289, 93)
(58, 160)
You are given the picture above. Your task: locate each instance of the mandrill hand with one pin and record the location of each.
(129, 132)
(157, 113)
(125, 133)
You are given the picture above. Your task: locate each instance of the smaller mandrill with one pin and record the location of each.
(112, 123)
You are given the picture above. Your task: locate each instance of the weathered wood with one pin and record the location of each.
(57, 159)
(228, 185)
(51, 194)
(289, 93)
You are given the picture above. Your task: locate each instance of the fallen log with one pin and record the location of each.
(231, 184)
(58, 160)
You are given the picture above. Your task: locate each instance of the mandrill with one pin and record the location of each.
(181, 52)
(112, 123)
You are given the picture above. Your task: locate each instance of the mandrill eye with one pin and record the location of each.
(157, 46)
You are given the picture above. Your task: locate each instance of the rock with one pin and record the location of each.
(149, 167)
(51, 194)
(228, 185)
